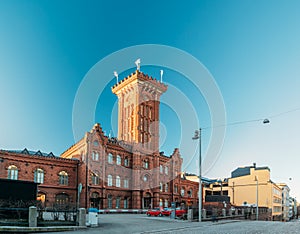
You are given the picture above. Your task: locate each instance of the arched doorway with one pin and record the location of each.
(95, 200)
(147, 201)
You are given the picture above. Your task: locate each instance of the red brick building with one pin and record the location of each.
(57, 176)
(124, 172)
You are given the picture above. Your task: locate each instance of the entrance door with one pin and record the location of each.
(147, 201)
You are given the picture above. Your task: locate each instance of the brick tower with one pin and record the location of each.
(138, 109)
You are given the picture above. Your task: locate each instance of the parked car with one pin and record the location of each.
(168, 211)
(153, 212)
(180, 212)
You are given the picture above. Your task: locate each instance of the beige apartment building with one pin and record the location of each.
(249, 186)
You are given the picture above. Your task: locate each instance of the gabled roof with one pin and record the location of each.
(31, 152)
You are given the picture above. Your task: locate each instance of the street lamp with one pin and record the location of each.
(197, 136)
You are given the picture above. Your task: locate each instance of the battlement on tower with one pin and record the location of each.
(141, 77)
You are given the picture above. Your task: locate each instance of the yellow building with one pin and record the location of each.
(248, 182)
(249, 186)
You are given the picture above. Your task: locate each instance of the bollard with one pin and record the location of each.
(32, 218)
(190, 215)
(224, 212)
(81, 217)
(204, 214)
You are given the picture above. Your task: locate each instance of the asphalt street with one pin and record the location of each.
(140, 223)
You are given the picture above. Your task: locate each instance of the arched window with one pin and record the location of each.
(119, 161)
(146, 164)
(39, 176)
(126, 162)
(182, 192)
(109, 201)
(175, 189)
(145, 178)
(110, 158)
(12, 172)
(96, 143)
(161, 169)
(191, 193)
(63, 178)
(95, 156)
(160, 202)
(160, 186)
(95, 178)
(166, 188)
(166, 203)
(62, 199)
(109, 180)
(118, 181)
(166, 170)
(118, 201)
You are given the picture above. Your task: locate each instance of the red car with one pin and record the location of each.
(168, 211)
(180, 212)
(153, 212)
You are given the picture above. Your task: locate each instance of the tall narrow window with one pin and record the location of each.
(109, 180)
(126, 183)
(160, 187)
(166, 203)
(110, 158)
(191, 193)
(161, 168)
(39, 176)
(160, 202)
(146, 164)
(118, 181)
(182, 192)
(126, 162)
(175, 189)
(126, 203)
(12, 172)
(96, 156)
(95, 178)
(166, 188)
(118, 200)
(166, 170)
(109, 201)
(63, 178)
(118, 160)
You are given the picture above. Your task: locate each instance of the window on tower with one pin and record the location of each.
(110, 158)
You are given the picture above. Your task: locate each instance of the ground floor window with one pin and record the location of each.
(118, 202)
(62, 199)
(125, 203)
(109, 201)
(166, 203)
(160, 202)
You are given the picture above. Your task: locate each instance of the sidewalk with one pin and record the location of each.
(15, 229)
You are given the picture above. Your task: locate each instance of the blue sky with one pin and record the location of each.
(251, 48)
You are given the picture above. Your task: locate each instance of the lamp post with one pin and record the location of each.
(197, 136)
(256, 197)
